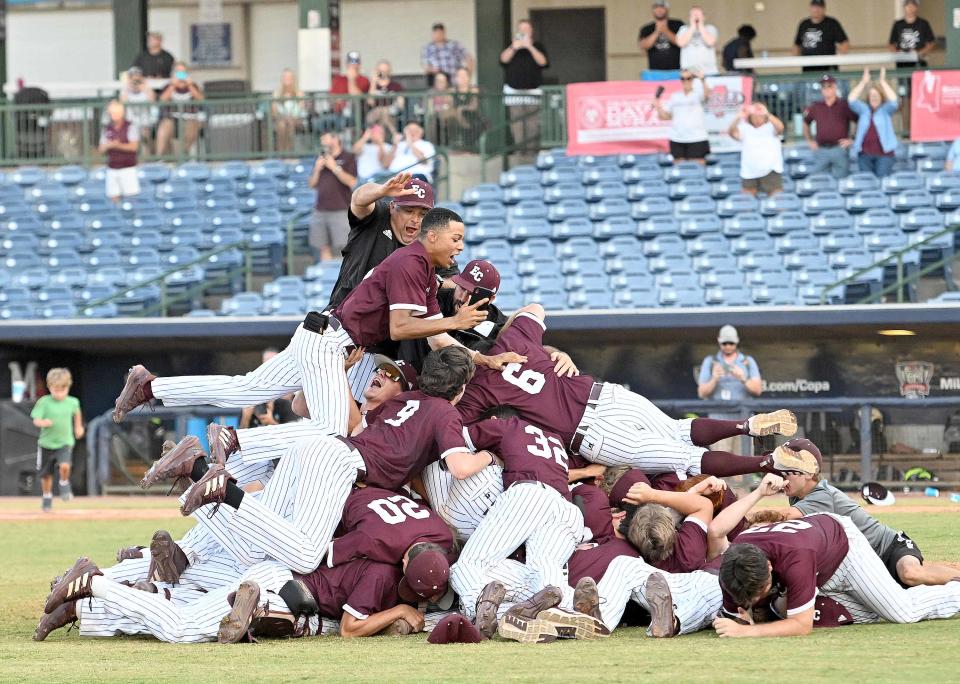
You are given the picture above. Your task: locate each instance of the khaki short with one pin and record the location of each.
(772, 182)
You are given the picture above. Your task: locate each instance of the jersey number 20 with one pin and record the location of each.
(396, 509)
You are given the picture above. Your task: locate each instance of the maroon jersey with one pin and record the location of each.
(360, 587)
(528, 453)
(689, 549)
(408, 433)
(804, 554)
(593, 562)
(595, 506)
(532, 387)
(381, 525)
(404, 280)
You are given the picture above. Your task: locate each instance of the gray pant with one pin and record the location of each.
(329, 229)
(832, 160)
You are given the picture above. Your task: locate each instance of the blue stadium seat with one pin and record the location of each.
(567, 209)
(948, 200)
(47, 210)
(11, 312)
(799, 170)
(495, 250)
(488, 230)
(853, 259)
(815, 274)
(609, 208)
(649, 207)
(223, 236)
(143, 274)
(818, 182)
(823, 201)
(784, 201)
(485, 192)
(181, 254)
(575, 247)
(590, 299)
(613, 226)
(16, 294)
(921, 150)
(911, 199)
(89, 189)
(53, 293)
(586, 281)
(720, 296)
(858, 182)
(774, 296)
(546, 159)
(63, 258)
(802, 259)
(103, 257)
(606, 190)
(739, 203)
(841, 241)
(713, 262)
(179, 204)
(226, 219)
(525, 228)
(558, 175)
(523, 192)
(219, 203)
(689, 188)
(684, 170)
(484, 212)
(884, 239)
(696, 205)
(579, 264)
(182, 237)
(657, 225)
(723, 171)
(786, 222)
(622, 245)
(48, 191)
(793, 242)
(69, 175)
(572, 227)
(555, 300)
(940, 182)
(536, 264)
(221, 186)
(628, 264)
(721, 278)
(532, 209)
(585, 160)
(876, 219)
(21, 241)
(753, 261)
(797, 153)
(143, 256)
(635, 282)
(109, 275)
(27, 175)
(237, 170)
(519, 174)
(647, 188)
(668, 243)
(642, 174)
(92, 293)
(752, 242)
(192, 171)
(258, 202)
(175, 188)
(545, 281)
(564, 191)
(712, 243)
(677, 280)
(630, 159)
(726, 187)
(830, 221)
(899, 182)
(744, 223)
(282, 285)
(271, 167)
(509, 301)
(97, 206)
(771, 277)
(257, 185)
(920, 218)
(692, 225)
(138, 205)
(153, 173)
(600, 174)
(73, 276)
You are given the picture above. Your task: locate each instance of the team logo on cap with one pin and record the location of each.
(914, 377)
(476, 273)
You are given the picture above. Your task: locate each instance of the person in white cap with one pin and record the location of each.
(729, 375)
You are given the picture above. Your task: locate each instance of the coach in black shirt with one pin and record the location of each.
(659, 39)
(820, 35)
(913, 32)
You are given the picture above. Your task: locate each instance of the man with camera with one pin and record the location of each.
(384, 110)
(334, 175)
(523, 62)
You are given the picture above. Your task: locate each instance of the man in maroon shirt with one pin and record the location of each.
(333, 177)
(833, 116)
(606, 423)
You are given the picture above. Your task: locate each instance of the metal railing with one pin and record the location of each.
(903, 279)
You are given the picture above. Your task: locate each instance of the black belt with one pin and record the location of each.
(361, 473)
(582, 427)
(333, 323)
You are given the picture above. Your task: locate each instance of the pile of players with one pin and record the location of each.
(497, 491)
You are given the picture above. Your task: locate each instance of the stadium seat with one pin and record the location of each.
(692, 225)
(669, 243)
(920, 218)
(519, 174)
(902, 181)
(752, 242)
(600, 174)
(558, 175)
(697, 205)
(823, 201)
(609, 208)
(911, 199)
(726, 187)
(192, 171)
(786, 222)
(774, 296)
(852, 259)
(723, 171)
(485, 192)
(651, 206)
(830, 221)
(713, 262)
(740, 203)
(11, 312)
(876, 219)
(579, 264)
(685, 170)
(781, 202)
(536, 264)
(741, 224)
(864, 200)
(575, 246)
(523, 192)
(15, 294)
(657, 225)
(689, 188)
(941, 182)
(709, 243)
(884, 239)
(840, 241)
(110, 275)
(628, 264)
(586, 281)
(670, 263)
(525, 228)
(719, 296)
(818, 182)
(642, 174)
(567, 209)
(721, 278)
(606, 190)
(487, 230)
(647, 188)
(858, 182)
(948, 199)
(525, 211)
(794, 242)
(495, 250)
(572, 227)
(922, 150)
(564, 191)
(802, 259)
(815, 274)
(618, 225)
(26, 176)
(71, 276)
(771, 277)
(153, 173)
(622, 245)
(63, 258)
(484, 212)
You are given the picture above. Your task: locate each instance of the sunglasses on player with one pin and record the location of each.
(390, 372)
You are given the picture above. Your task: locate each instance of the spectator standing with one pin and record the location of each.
(739, 48)
(351, 82)
(761, 152)
(119, 141)
(384, 110)
(913, 32)
(139, 101)
(820, 35)
(61, 424)
(443, 56)
(154, 62)
(876, 141)
(289, 110)
(685, 110)
(953, 154)
(698, 43)
(466, 101)
(659, 39)
(179, 106)
(334, 175)
(411, 153)
(833, 117)
(729, 375)
(440, 109)
(523, 62)
(371, 151)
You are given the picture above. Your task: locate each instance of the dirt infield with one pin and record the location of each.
(20, 508)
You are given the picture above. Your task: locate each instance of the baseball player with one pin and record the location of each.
(605, 423)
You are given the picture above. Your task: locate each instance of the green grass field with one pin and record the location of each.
(33, 549)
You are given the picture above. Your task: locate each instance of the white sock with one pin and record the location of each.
(64, 483)
(100, 586)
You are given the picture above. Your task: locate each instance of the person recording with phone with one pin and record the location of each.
(333, 177)
(523, 61)
(685, 108)
(177, 107)
(384, 110)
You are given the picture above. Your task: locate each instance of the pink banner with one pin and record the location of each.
(935, 105)
(613, 117)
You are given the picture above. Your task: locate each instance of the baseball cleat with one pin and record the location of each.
(663, 622)
(75, 584)
(781, 422)
(167, 559)
(223, 442)
(573, 625)
(211, 488)
(236, 625)
(134, 392)
(175, 463)
(398, 627)
(586, 597)
(65, 614)
(544, 599)
(526, 630)
(487, 604)
(784, 460)
(129, 553)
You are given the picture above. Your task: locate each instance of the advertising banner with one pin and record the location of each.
(935, 105)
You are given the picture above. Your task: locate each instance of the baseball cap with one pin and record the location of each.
(427, 575)
(876, 494)
(353, 57)
(819, 3)
(827, 78)
(623, 485)
(800, 445)
(133, 72)
(728, 334)
(423, 197)
(478, 273)
(403, 372)
(915, 3)
(661, 3)
(455, 629)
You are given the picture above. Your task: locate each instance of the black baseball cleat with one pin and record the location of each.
(526, 630)
(211, 488)
(663, 621)
(546, 598)
(167, 559)
(487, 604)
(75, 584)
(586, 597)
(573, 625)
(223, 442)
(65, 614)
(135, 392)
(236, 625)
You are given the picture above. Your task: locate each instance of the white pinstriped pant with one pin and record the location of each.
(311, 362)
(696, 595)
(863, 585)
(627, 429)
(529, 513)
(462, 503)
(360, 374)
(261, 445)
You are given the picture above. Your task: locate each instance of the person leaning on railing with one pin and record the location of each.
(178, 105)
(876, 141)
(288, 110)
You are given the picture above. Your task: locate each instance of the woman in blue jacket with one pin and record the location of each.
(876, 141)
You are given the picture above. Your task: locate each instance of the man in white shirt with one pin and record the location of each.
(698, 44)
(411, 153)
(688, 132)
(761, 154)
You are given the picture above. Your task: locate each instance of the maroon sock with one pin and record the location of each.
(725, 464)
(148, 389)
(707, 431)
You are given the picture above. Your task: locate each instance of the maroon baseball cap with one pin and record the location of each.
(421, 197)
(623, 485)
(478, 273)
(827, 78)
(829, 613)
(427, 575)
(455, 629)
(403, 372)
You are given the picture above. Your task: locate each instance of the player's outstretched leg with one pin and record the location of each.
(707, 431)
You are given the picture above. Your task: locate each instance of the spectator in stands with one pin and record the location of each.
(371, 151)
(334, 175)
(443, 56)
(913, 32)
(876, 141)
(761, 153)
(698, 43)
(139, 100)
(384, 110)
(685, 108)
(659, 39)
(120, 140)
(953, 154)
(411, 153)
(820, 35)
(440, 109)
(833, 117)
(739, 48)
(179, 105)
(351, 82)
(523, 62)
(154, 62)
(289, 110)
(729, 375)
(466, 100)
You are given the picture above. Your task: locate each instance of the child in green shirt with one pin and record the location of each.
(61, 425)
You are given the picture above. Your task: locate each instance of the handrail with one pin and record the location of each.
(901, 280)
(162, 278)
